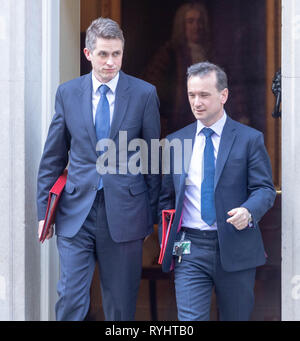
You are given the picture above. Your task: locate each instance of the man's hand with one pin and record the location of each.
(50, 232)
(240, 218)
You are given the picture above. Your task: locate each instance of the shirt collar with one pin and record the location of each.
(112, 84)
(217, 127)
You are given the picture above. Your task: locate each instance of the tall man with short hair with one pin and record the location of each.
(103, 217)
(219, 201)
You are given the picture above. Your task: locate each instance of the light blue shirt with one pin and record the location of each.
(111, 94)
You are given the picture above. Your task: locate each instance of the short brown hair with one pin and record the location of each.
(102, 28)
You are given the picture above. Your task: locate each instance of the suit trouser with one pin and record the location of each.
(120, 266)
(200, 271)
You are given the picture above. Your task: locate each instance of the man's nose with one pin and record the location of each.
(110, 61)
(197, 102)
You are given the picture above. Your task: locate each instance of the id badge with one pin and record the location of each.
(182, 248)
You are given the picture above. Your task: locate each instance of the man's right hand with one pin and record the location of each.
(50, 232)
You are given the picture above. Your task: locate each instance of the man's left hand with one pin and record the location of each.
(239, 217)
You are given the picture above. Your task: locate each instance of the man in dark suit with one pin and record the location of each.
(103, 217)
(224, 189)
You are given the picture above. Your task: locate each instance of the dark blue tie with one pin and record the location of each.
(208, 211)
(102, 119)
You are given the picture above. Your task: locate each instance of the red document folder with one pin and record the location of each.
(167, 220)
(53, 199)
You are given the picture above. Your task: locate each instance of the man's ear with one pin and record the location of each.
(87, 53)
(224, 95)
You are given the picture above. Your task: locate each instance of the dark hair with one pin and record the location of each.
(205, 68)
(102, 28)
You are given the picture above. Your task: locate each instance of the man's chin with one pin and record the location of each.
(106, 77)
(199, 116)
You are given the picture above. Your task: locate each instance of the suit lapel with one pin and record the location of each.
(187, 155)
(121, 103)
(86, 108)
(227, 138)
(188, 134)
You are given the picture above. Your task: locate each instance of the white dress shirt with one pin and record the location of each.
(111, 94)
(191, 212)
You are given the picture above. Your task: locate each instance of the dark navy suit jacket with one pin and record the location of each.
(130, 200)
(243, 177)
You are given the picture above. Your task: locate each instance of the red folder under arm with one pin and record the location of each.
(167, 220)
(53, 199)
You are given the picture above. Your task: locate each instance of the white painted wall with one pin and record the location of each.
(61, 62)
(69, 39)
(290, 160)
(20, 122)
(39, 44)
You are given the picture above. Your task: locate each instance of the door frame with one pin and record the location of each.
(60, 62)
(52, 37)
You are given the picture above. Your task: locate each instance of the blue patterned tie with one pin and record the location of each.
(102, 119)
(208, 211)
